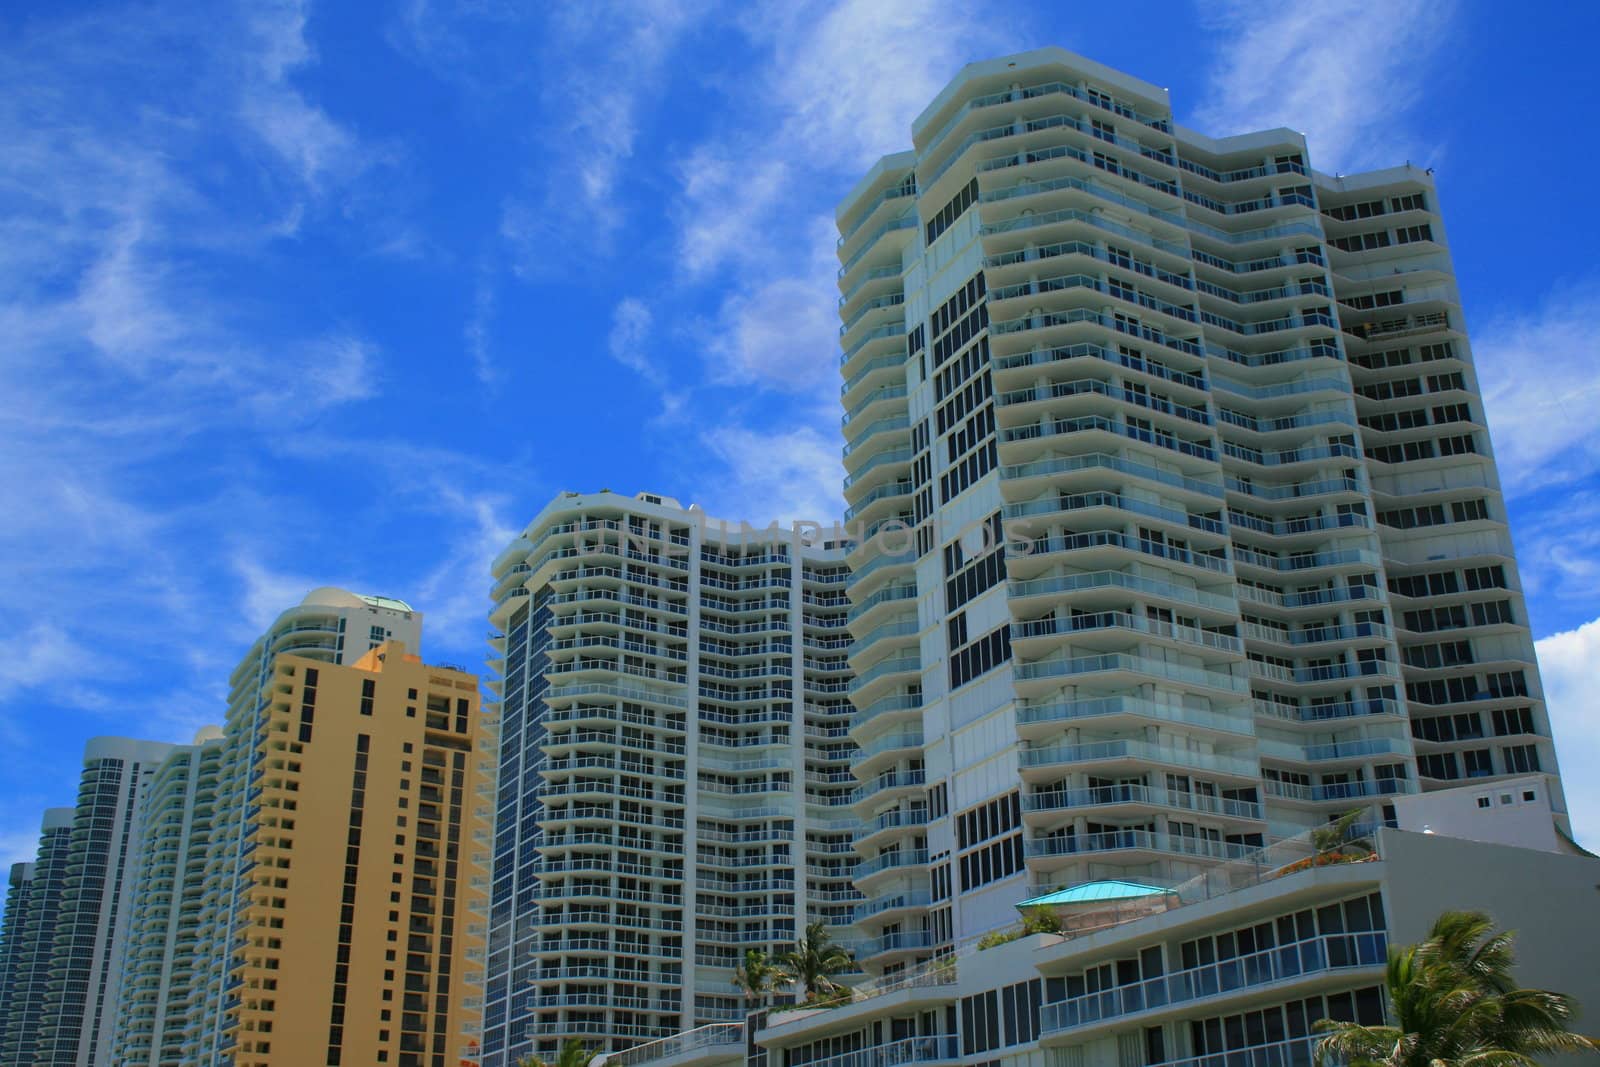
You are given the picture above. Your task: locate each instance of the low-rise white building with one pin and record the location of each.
(1233, 969)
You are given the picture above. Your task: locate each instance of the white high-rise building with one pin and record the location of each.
(1180, 537)
(30, 938)
(674, 781)
(1207, 543)
(71, 956)
(162, 900)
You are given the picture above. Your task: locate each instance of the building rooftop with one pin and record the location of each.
(330, 596)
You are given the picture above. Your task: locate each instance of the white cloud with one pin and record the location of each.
(599, 66)
(318, 150)
(1344, 73)
(135, 375)
(266, 593)
(631, 338)
(727, 193)
(1540, 377)
(778, 335)
(41, 655)
(476, 331)
(848, 78)
(1558, 548)
(453, 593)
(1569, 663)
(635, 342)
(779, 473)
(842, 83)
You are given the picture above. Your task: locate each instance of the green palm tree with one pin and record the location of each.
(758, 975)
(573, 1054)
(1454, 1004)
(1334, 837)
(815, 959)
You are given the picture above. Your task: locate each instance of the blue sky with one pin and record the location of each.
(297, 294)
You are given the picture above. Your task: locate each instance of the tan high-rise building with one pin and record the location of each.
(359, 943)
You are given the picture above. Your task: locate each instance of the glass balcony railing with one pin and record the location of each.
(1314, 956)
(944, 1049)
(1107, 461)
(1042, 670)
(889, 860)
(1070, 583)
(1145, 751)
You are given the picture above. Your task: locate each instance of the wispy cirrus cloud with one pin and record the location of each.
(478, 332)
(319, 151)
(1539, 372)
(144, 377)
(841, 84)
(777, 473)
(599, 67)
(1343, 73)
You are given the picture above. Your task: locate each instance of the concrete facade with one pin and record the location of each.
(674, 781)
(1234, 969)
(164, 895)
(1178, 529)
(77, 1026)
(367, 852)
(330, 626)
(34, 939)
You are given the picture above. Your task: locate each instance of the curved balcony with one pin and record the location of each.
(874, 831)
(889, 786)
(1363, 559)
(898, 860)
(1119, 626)
(896, 707)
(866, 284)
(880, 249)
(1039, 720)
(1323, 674)
(1338, 792)
(864, 614)
(886, 948)
(880, 502)
(876, 373)
(889, 748)
(1018, 405)
(1043, 762)
(864, 214)
(1107, 588)
(1358, 750)
(1121, 669)
(1205, 493)
(1106, 548)
(1044, 809)
(1318, 634)
(1140, 846)
(1321, 714)
(1064, 357)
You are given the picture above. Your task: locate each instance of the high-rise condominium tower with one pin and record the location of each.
(30, 943)
(328, 626)
(1207, 541)
(78, 1019)
(674, 774)
(162, 898)
(366, 852)
(19, 899)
